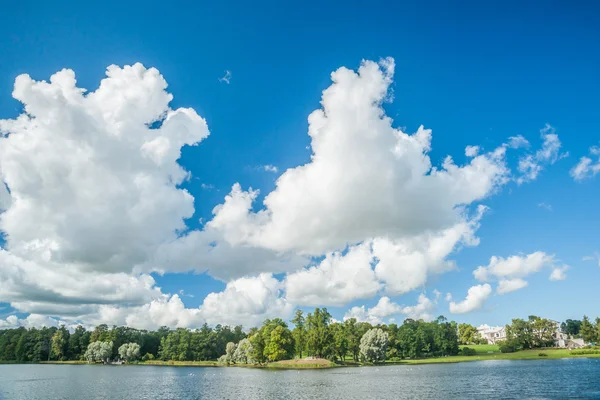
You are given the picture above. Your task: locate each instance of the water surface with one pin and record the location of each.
(539, 379)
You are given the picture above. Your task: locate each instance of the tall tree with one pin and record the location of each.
(60, 341)
(299, 332)
(571, 327)
(319, 340)
(340, 340)
(467, 334)
(587, 331)
(373, 345)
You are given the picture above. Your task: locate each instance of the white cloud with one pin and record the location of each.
(422, 310)
(595, 258)
(510, 271)
(472, 151)
(226, 78)
(545, 206)
(586, 167)
(270, 168)
(31, 321)
(94, 202)
(207, 251)
(510, 285)
(476, 297)
(374, 315)
(558, 274)
(247, 301)
(90, 183)
(337, 280)
(531, 165)
(516, 142)
(386, 308)
(342, 197)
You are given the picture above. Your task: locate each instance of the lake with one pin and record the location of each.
(539, 379)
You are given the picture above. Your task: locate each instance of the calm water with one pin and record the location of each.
(544, 379)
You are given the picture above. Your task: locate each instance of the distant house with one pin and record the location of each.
(493, 334)
(562, 339)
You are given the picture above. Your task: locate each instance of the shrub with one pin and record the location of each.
(148, 357)
(508, 346)
(584, 352)
(467, 351)
(542, 355)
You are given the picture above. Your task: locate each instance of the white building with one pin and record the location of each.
(562, 339)
(492, 334)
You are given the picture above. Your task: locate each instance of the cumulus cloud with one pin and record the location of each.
(342, 197)
(90, 182)
(476, 298)
(510, 285)
(31, 321)
(509, 272)
(247, 301)
(531, 165)
(472, 151)
(517, 142)
(336, 280)
(558, 274)
(586, 167)
(386, 308)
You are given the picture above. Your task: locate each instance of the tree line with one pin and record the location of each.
(314, 334)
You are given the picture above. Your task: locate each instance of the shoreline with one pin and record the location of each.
(548, 354)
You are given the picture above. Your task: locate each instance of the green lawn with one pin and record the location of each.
(483, 348)
(550, 353)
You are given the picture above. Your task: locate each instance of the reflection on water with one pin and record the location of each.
(543, 379)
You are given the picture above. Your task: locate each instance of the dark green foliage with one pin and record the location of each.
(542, 355)
(571, 327)
(419, 339)
(466, 351)
(509, 346)
(51, 344)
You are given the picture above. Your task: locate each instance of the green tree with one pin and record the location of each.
(318, 335)
(299, 332)
(280, 345)
(571, 327)
(129, 351)
(340, 340)
(373, 345)
(542, 331)
(587, 331)
(521, 333)
(60, 341)
(467, 334)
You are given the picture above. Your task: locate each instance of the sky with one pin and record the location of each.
(231, 162)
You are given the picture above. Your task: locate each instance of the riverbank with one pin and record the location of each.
(483, 353)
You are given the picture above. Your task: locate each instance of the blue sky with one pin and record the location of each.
(475, 73)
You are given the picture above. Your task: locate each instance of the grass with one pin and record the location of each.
(483, 348)
(550, 354)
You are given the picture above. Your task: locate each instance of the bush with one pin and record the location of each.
(542, 355)
(584, 352)
(508, 346)
(148, 357)
(466, 351)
